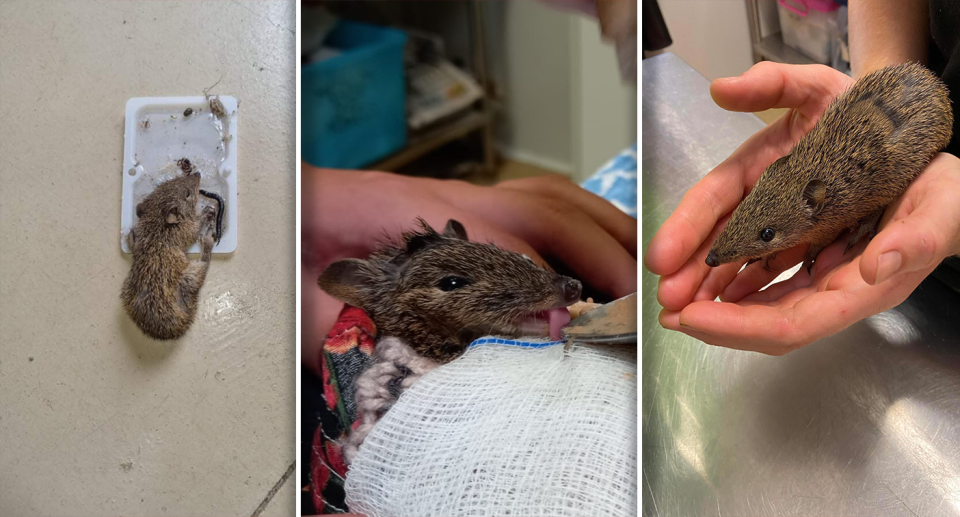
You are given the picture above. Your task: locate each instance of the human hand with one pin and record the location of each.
(917, 233)
(803, 309)
(348, 213)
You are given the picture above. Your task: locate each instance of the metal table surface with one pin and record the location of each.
(866, 422)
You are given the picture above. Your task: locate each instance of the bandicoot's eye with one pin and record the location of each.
(453, 282)
(767, 234)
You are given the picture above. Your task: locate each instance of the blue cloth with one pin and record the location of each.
(616, 181)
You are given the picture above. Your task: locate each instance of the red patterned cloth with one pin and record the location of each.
(346, 353)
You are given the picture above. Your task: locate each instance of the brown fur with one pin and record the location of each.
(399, 288)
(862, 154)
(160, 293)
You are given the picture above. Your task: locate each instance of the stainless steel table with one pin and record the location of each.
(866, 422)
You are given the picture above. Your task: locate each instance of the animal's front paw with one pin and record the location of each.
(208, 227)
(209, 215)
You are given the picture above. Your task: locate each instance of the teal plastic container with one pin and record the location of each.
(353, 106)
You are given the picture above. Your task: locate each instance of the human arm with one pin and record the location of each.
(347, 213)
(887, 32)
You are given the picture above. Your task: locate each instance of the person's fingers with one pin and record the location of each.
(559, 188)
(714, 196)
(716, 281)
(766, 85)
(483, 233)
(671, 320)
(776, 293)
(926, 235)
(676, 290)
(791, 326)
(571, 237)
(737, 343)
(684, 232)
(828, 274)
(668, 319)
(755, 276)
(806, 88)
(730, 321)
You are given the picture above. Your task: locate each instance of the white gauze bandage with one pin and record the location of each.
(507, 430)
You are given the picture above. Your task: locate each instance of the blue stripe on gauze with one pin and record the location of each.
(491, 340)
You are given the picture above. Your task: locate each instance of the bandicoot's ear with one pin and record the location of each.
(140, 209)
(455, 230)
(173, 215)
(415, 242)
(814, 195)
(343, 280)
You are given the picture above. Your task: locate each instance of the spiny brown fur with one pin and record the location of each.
(160, 293)
(861, 156)
(398, 286)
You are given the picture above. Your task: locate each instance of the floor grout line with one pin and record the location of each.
(273, 491)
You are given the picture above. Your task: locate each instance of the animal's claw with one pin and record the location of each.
(768, 260)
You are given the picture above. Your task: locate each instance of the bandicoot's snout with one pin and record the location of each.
(712, 260)
(570, 288)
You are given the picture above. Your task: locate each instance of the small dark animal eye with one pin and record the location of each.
(453, 282)
(767, 234)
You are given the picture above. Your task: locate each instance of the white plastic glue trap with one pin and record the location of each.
(159, 132)
(509, 428)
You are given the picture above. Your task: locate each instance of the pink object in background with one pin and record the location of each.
(802, 7)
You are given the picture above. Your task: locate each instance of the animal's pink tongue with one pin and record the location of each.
(557, 318)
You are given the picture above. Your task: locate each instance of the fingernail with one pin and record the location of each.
(688, 327)
(887, 265)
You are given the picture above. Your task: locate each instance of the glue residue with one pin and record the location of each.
(165, 135)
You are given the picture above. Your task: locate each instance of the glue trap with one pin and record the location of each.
(161, 131)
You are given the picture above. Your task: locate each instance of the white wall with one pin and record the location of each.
(529, 57)
(605, 109)
(712, 36)
(565, 106)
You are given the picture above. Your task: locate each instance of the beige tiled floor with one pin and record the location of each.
(94, 418)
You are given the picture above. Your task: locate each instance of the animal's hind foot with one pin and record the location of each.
(131, 239)
(866, 227)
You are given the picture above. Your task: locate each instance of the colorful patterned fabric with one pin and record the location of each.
(346, 354)
(616, 181)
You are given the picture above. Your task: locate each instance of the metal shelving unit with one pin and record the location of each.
(477, 120)
(771, 47)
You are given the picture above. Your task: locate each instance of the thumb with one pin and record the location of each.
(920, 240)
(807, 88)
